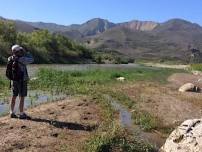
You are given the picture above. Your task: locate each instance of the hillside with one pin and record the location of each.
(21, 26)
(169, 40)
(45, 46)
(52, 27)
(139, 25)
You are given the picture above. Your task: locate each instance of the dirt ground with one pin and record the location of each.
(60, 126)
(178, 79)
(160, 65)
(165, 102)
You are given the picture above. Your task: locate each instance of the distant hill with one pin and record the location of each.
(169, 40)
(21, 26)
(93, 27)
(140, 39)
(24, 27)
(52, 27)
(139, 25)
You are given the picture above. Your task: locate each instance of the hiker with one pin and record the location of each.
(17, 73)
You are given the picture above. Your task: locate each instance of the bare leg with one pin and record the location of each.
(21, 106)
(12, 104)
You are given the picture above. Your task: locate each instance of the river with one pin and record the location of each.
(33, 68)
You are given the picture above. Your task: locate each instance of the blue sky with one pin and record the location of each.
(78, 11)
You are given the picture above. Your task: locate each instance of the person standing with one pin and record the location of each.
(17, 73)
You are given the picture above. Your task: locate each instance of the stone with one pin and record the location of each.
(186, 138)
(34, 78)
(189, 87)
(121, 79)
(196, 73)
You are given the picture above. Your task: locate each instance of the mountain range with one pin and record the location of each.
(138, 39)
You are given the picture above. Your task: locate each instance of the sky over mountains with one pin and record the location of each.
(78, 11)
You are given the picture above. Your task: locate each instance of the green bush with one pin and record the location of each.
(45, 46)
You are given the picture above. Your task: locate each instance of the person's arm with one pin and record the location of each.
(27, 59)
(10, 58)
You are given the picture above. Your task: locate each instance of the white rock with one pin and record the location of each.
(199, 80)
(196, 72)
(187, 87)
(34, 78)
(186, 138)
(120, 79)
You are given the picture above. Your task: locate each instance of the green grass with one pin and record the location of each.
(111, 137)
(3, 82)
(117, 139)
(145, 120)
(4, 85)
(84, 82)
(197, 67)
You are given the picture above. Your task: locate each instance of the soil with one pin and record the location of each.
(58, 126)
(178, 79)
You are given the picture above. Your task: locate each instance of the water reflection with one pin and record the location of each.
(32, 69)
(35, 97)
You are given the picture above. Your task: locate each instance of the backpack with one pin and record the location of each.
(13, 71)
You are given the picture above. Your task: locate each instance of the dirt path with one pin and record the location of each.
(60, 126)
(159, 65)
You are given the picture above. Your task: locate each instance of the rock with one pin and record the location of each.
(186, 138)
(54, 135)
(34, 78)
(121, 79)
(199, 80)
(23, 127)
(189, 87)
(196, 72)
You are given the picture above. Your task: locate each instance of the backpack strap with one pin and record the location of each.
(10, 85)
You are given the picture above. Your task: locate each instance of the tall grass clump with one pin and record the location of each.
(197, 67)
(84, 82)
(111, 137)
(117, 140)
(3, 82)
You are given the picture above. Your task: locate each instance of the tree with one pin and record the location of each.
(8, 31)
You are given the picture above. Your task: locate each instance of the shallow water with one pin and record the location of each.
(125, 117)
(34, 98)
(33, 68)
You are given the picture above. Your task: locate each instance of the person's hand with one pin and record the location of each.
(14, 57)
(24, 50)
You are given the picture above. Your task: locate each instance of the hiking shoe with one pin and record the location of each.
(13, 115)
(24, 116)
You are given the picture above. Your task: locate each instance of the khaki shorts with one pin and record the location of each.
(19, 88)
